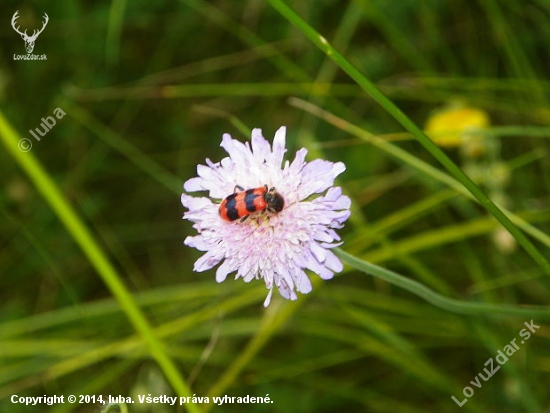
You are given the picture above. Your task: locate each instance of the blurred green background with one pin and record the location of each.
(148, 88)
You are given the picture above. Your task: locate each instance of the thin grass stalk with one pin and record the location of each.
(98, 259)
(410, 126)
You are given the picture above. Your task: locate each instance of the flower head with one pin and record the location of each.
(278, 246)
(459, 125)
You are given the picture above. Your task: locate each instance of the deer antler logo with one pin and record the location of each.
(29, 40)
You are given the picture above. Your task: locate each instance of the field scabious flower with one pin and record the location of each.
(278, 247)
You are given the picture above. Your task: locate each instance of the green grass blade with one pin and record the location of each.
(443, 235)
(133, 154)
(398, 39)
(410, 126)
(112, 42)
(408, 159)
(76, 228)
(448, 304)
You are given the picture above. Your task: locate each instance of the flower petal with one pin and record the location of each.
(268, 298)
(260, 147)
(279, 146)
(223, 270)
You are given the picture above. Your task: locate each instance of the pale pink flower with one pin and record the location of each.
(277, 247)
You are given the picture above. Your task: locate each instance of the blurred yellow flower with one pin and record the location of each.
(451, 126)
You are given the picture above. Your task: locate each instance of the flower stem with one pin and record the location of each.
(438, 300)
